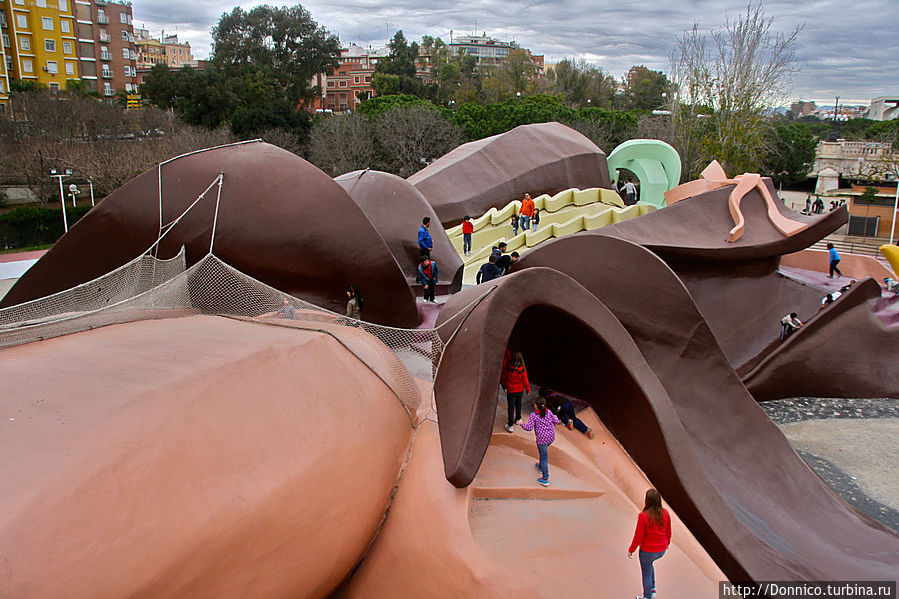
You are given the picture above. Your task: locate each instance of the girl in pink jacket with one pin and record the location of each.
(543, 422)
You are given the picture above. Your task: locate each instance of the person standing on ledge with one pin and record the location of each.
(788, 324)
(467, 230)
(526, 211)
(427, 276)
(653, 535)
(425, 243)
(834, 260)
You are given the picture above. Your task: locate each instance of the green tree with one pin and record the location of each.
(577, 81)
(396, 73)
(284, 43)
(790, 152)
(648, 91)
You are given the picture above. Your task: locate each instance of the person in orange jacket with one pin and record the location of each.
(515, 381)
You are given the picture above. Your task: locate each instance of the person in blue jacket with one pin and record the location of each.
(425, 243)
(427, 276)
(834, 260)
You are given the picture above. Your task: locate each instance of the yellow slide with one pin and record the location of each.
(565, 213)
(891, 253)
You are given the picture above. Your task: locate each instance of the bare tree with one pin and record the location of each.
(340, 144)
(409, 137)
(724, 80)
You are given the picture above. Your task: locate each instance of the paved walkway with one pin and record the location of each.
(853, 445)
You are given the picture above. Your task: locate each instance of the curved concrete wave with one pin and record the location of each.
(650, 367)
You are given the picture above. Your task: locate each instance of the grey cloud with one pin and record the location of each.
(847, 50)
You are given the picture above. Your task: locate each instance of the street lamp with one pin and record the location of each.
(62, 199)
(73, 191)
(90, 181)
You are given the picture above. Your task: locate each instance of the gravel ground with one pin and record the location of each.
(858, 459)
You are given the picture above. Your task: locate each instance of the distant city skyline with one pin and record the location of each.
(840, 52)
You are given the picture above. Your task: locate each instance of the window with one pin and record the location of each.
(342, 84)
(70, 68)
(20, 2)
(54, 88)
(107, 89)
(47, 23)
(368, 78)
(25, 43)
(22, 21)
(67, 47)
(330, 84)
(2, 19)
(356, 80)
(27, 65)
(5, 40)
(42, 3)
(50, 45)
(63, 5)
(65, 26)
(127, 70)
(124, 36)
(342, 73)
(123, 17)
(52, 66)
(126, 53)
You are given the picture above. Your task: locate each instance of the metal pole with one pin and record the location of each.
(90, 182)
(895, 207)
(74, 205)
(62, 200)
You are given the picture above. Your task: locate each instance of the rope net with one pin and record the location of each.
(147, 288)
(141, 274)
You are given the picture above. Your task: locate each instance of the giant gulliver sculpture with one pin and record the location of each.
(204, 455)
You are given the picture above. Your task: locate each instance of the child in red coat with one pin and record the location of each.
(515, 381)
(653, 535)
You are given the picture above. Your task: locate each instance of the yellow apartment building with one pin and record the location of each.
(39, 43)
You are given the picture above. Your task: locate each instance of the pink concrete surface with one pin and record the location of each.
(851, 265)
(191, 457)
(22, 256)
(506, 536)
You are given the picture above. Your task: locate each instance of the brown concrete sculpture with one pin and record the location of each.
(491, 172)
(396, 208)
(667, 392)
(280, 220)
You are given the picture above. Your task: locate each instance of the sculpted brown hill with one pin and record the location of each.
(280, 220)
(491, 172)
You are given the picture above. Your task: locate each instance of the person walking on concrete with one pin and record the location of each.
(652, 536)
(425, 243)
(564, 409)
(514, 224)
(488, 271)
(834, 260)
(543, 422)
(467, 230)
(535, 221)
(427, 276)
(631, 190)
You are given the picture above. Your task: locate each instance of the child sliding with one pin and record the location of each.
(543, 423)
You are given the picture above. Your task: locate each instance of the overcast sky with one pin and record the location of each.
(846, 49)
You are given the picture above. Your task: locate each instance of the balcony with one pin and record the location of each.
(108, 93)
(105, 57)
(104, 37)
(102, 19)
(100, 2)
(107, 74)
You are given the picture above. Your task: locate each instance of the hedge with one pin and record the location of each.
(28, 226)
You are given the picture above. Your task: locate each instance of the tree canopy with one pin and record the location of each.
(284, 43)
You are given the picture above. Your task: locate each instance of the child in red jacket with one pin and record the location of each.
(653, 535)
(515, 381)
(467, 230)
